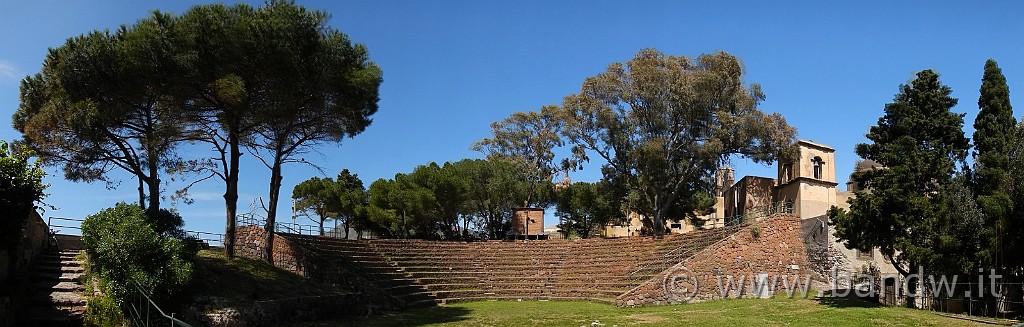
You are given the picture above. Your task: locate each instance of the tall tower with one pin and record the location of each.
(808, 182)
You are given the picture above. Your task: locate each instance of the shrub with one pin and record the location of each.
(166, 223)
(125, 249)
(21, 187)
(102, 311)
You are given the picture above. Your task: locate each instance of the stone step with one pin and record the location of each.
(54, 268)
(59, 256)
(60, 286)
(57, 276)
(61, 298)
(52, 316)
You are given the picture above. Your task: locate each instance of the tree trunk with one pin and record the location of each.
(275, 190)
(142, 191)
(658, 222)
(912, 289)
(321, 227)
(231, 196)
(154, 185)
(346, 226)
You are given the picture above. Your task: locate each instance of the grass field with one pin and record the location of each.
(741, 312)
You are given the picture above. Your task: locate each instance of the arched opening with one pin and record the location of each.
(819, 167)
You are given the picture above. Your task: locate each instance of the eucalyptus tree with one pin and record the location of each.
(528, 140)
(661, 124)
(104, 101)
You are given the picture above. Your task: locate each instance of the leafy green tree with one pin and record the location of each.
(352, 199)
(528, 140)
(21, 189)
(662, 124)
(314, 87)
(960, 233)
(215, 40)
(403, 207)
(585, 207)
(495, 188)
(102, 102)
(918, 141)
(1011, 239)
(994, 130)
(124, 250)
(450, 192)
(318, 196)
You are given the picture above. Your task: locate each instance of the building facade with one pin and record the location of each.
(805, 187)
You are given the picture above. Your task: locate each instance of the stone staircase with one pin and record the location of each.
(57, 298)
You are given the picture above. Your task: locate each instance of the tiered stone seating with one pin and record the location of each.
(425, 272)
(359, 258)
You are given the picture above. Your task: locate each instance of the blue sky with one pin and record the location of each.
(453, 67)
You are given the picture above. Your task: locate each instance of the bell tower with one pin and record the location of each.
(808, 181)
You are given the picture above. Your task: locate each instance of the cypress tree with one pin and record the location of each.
(993, 140)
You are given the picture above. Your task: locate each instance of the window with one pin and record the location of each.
(818, 167)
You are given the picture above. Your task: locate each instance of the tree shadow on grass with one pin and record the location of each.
(849, 302)
(411, 317)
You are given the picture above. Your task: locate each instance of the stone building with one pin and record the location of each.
(804, 187)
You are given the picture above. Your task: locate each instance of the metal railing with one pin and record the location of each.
(143, 312)
(959, 302)
(212, 239)
(296, 228)
(64, 222)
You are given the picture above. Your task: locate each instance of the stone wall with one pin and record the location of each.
(823, 256)
(301, 261)
(772, 245)
(15, 264)
(249, 241)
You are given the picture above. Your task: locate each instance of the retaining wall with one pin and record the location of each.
(773, 245)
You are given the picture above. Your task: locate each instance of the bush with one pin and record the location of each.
(166, 223)
(21, 187)
(124, 249)
(102, 311)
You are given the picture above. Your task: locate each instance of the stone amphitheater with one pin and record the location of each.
(622, 271)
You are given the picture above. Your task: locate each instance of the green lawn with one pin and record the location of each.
(742, 312)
